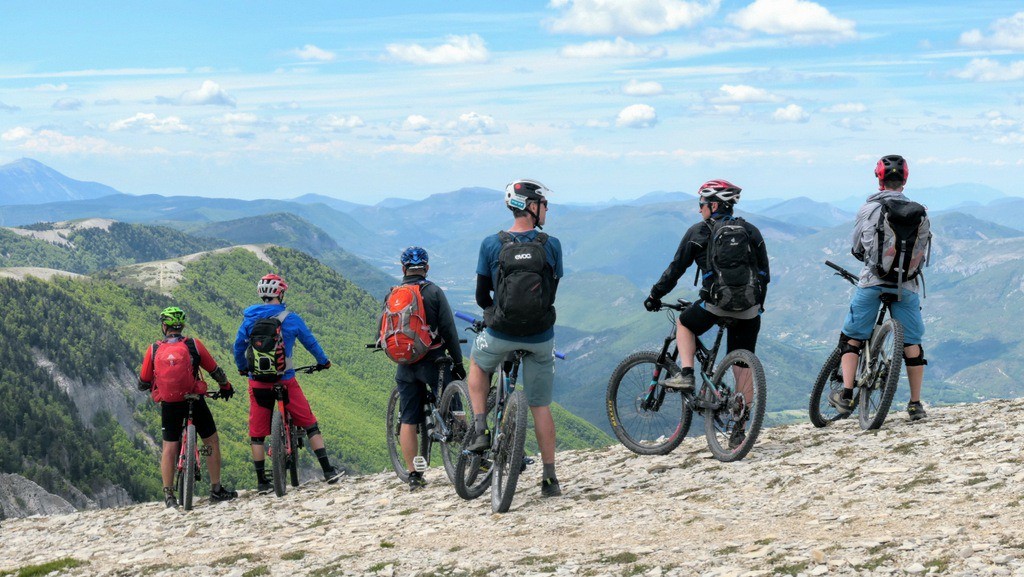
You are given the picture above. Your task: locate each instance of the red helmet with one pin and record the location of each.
(272, 286)
(891, 168)
(720, 191)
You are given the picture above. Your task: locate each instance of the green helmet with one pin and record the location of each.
(172, 317)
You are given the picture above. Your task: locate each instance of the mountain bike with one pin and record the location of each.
(878, 370)
(652, 419)
(444, 423)
(189, 467)
(286, 438)
(500, 465)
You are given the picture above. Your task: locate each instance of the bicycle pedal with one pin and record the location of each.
(419, 463)
(206, 450)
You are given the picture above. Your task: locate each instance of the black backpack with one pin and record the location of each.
(266, 355)
(902, 240)
(523, 297)
(732, 266)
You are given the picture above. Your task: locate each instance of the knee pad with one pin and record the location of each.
(256, 440)
(845, 347)
(313, 430)
(918, 361)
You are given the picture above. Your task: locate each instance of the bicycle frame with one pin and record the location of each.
(204, 450)
(867, 374)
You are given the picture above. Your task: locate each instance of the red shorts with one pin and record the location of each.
(262, 406)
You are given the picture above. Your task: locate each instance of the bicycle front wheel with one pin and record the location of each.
(293, 458)
(453, 411)
(278, 453)
(508, 462)
(732, 428)
(820, 411)
(188, 474)
(647, 418)
(884, 365)
(473, 472)
(394, 437)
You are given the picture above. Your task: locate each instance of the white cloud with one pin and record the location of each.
(210, 93)
(1007, 33)
(51, 88)
(800, 19)
(473, 123)
(726, 109)
(791, 113)
(53, 142)
(457, 50)
(107, 102)
(986, 70)
(9, 107)
(335, 123)
(619, 48)
(310, 52)
(636, 88)
(416, 123)
(596, 124)
(637, 116)
(628, 17)
(743, 94)
(855, 123)
(67, 104)
(149, 122)
(15, 134)
(846, 108)
(429, 145)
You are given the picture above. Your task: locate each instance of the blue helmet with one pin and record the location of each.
(414, 256)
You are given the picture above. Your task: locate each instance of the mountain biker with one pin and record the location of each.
(527, 199)
(160, 376)
(271, 289)
(892, 172)
(412, 379)
(716, 199)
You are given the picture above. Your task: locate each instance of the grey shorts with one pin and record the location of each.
(537, 371)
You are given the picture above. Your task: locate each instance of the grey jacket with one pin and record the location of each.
(863, 240)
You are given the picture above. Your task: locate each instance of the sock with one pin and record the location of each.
(480, 422)
(215, 487)
(261, 471)
(847, 393)
(549, 471)
(686, 371)
(321, 455)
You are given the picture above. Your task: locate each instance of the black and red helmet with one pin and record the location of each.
(892, 168)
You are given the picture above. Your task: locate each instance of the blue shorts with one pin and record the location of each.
(864, 312)
(537, 371)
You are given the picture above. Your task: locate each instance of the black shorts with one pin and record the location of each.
(412, 391)
(741, 334)
(172, 417)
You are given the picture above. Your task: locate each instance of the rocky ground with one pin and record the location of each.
(941, 496)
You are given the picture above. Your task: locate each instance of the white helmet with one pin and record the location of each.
(520, 192)
(720, 191)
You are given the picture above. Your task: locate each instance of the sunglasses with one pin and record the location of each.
(543, 203)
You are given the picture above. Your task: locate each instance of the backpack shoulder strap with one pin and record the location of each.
(281, 316)
(152, 356)
(194, 353)
(505, 237)
(542, 237)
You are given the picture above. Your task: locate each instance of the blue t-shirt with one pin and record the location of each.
(487, 264)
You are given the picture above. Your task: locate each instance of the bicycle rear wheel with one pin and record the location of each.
(820, 411)
(508, 462)
(885, 364)
(646, 417)
(278, 453)
(453, 411)
(473, 472)
(187, 475)
(394, 437)
(732, 428)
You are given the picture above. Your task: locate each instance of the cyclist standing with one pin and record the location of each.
(271, 289)
(170, 370)
(716, 200)
(892, 172)
(521, 267)
(412, 379)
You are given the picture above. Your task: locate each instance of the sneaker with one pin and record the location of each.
(170, 501)
(416, 481)
(916, 410)
(264, 488)
(332, 474)
(479, 443)
(550, 488)
(484, 467)
(844, 406)
(679, 382)
(222, 494)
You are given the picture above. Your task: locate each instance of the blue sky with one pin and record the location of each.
(596, 98)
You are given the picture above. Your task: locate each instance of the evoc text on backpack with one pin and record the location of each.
(523, 297)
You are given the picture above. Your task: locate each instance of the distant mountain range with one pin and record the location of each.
(26, 181)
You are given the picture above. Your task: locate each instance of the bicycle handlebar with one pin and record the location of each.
(309, 369)
(478, 325)
(842, 272)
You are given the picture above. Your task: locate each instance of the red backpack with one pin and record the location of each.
(175, 370)
(404, 334)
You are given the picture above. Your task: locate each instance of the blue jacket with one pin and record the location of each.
(293, 327)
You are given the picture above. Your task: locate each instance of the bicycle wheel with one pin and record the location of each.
(293, 459)
(473, 472)
(884, 367)
(821, 412)
(394, 437)
(508, 462)
(278, 453)
(732, 428)
(453, 411)
(646, 417)
(188, 474)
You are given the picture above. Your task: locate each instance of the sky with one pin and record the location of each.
(597, 99)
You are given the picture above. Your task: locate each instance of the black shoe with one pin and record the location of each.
(479, 443)
(916, 410)
(264, 488)
(170, 501)
(737, 437)
(222, 494)
(416, 481)
(550, 488)
(484, 466)
(332, 474)
(844, 406)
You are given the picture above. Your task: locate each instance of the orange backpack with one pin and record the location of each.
(404, 334)
(175, 370)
